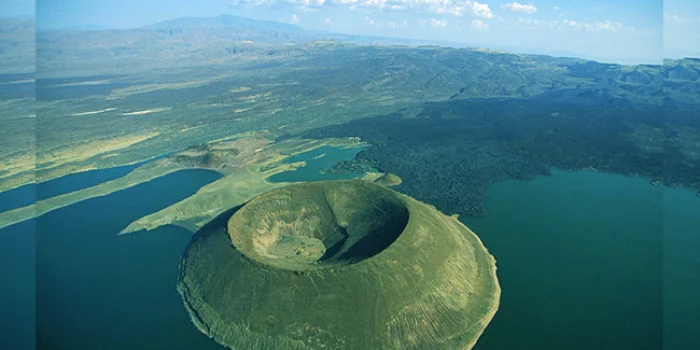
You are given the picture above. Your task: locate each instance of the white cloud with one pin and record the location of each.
(556, 8)
(294, 19)
(457, 8)
(482, 10)
(327, 21)
(438, 23)
(678, 19)
(606, 25)
(393, 25)
(478, 24)
(518, 7)
(569, 24)
(384, 24)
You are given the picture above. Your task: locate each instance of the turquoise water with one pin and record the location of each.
(681, 269)
(581, 263)
(317, 161)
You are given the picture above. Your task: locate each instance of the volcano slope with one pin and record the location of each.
(338, 264)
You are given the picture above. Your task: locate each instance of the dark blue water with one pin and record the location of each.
(17, 197)
(17, 90)
(77, 181)
(28, 194)
(9, 89)
(315, 163)
(11, 77)
(17, 292)
(97, 290)
(586, 261)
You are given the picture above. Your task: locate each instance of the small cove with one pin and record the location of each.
(317, 160)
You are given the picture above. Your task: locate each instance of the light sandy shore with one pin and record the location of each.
(246, 180)
(147, 111)
(18, 82)
(81, 83)
(94, 112)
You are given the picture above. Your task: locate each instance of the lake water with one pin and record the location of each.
(28, 194)
(17, 85)
(94, 289)
(17, 268)
(316, 160)
(582, 259)
(592, 261)
(681, 224)
(85, 179)
(17, 197)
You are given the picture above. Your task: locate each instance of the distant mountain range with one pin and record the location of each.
(226, 21)
(224, 40)
(277, 77)
(302, 35)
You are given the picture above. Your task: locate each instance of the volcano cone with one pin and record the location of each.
(339, 265)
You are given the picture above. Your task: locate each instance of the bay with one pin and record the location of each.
(317, 160)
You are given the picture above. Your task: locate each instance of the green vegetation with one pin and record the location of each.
(116, 97)
(449, 152)
(338, 264)
(235, 96)
(244, 162)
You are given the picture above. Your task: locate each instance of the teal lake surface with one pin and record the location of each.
(586, 261)
(78, 181)
(316, 160)
(28, 194)
(17, 197)
(94, 289)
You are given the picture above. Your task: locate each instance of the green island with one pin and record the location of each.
(354, 265)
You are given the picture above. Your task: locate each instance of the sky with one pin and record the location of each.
(622, 31)
(681, 31)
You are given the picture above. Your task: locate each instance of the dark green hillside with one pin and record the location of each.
(338, 265)
(449, 152)
(196, 80)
